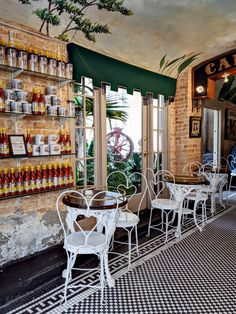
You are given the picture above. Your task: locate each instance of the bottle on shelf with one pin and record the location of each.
(12, 184)
(32, 180)
(44, 178)
(2, 99)
(1, 143)
(20, 181)
(61, 67)
(55, 176)
(2, 52)
(70, 171)
(1, 184)
(42, 105)
(60, 176)
(65, 174)
(50, 177)
(67, 143)
(26, 180)
(35, 102)
(29, 143)
(38, 179)
(6, 183)
(62, 141)
(5, 143)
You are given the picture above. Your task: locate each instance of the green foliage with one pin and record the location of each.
(177, 65)
(75, 11)
(227, 91)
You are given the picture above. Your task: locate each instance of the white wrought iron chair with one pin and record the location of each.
(79, 239)
(156, 188)
(127, 219)
(180, 192)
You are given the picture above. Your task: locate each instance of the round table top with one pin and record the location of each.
(187, 179)
(104, 201)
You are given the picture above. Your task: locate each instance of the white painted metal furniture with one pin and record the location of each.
(81, 239)
(180, 192)
(156, 188)
(127, 219)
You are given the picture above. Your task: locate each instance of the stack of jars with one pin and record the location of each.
(28, 59)
(35, 179)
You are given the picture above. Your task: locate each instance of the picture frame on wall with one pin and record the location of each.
(17, 145)
(195, 127)
(230, 124)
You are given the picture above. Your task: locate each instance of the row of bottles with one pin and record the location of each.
(36, 146)
(29, 59)
(34, 179)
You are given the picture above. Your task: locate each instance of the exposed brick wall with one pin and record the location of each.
(30, 224)
(182, 148)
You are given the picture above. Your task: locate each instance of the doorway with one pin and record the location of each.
(211, 136)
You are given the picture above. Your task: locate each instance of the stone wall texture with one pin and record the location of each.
(30, 224)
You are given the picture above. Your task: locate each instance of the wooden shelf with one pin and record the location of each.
(35, 193)
(59, 155)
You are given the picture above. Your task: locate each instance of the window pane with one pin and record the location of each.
(90, 142)
(90, 171)
(89, 112)
(80, 172)
(79, 143)
(79, 111)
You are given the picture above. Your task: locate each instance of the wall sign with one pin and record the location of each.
(195, 127)
(209, 69)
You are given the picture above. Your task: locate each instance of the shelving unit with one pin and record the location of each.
(35, 193)
(26, 157)
(21, 114)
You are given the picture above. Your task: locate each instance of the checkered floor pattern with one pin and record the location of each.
(196, 274)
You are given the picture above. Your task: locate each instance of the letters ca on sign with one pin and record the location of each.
(221, 64)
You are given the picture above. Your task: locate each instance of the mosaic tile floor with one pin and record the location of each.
(196, 274)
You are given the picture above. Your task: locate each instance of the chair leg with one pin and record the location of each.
(149, 224)
(230, 183)
(136, 238)
(102, 277)
(70, 263)
(129, 247)
(167, 225)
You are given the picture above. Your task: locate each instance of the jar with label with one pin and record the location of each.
(2, 52)
(22, 58)
(33, 60)
(43, 63)
(69, 71)
(11, 55)
(61, 68)
(52, 66)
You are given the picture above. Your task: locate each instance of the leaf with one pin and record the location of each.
(187, 62)
(174, 61)
(162, 61)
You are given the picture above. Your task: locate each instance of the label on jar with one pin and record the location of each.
(50, 182)
(44, 183)
(38, 184)
(55, 182)
(32, 184)
(6, 188)
(35, 107)
(12, 187)
(19, 187)
(26, 185)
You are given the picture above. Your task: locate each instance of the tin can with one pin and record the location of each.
(61, 111)
(14, 106)
(11, 56)
(69, 71)
(43, 64)
(7, 105)
(33, 62)
(26, 108)
(22, 58)
(9, 94)
(71, 108)
(2, 54)
(17, 84)
(61, 69)
(52, 67)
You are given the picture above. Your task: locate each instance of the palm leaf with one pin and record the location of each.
(187, 62)
(162, 62)
(173, 62)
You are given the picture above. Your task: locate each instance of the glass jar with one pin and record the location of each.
(11, 56)
(43, 63)
(52, 66)
(69, 71)
(61, 69)
(33, 63)
(2, 53)
(22, 57)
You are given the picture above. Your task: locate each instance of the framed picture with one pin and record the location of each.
(195, 126)
(230, 124)
(17, 145)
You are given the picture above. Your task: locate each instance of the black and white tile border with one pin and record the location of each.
(50, 302)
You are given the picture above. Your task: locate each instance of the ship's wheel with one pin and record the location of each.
(119, 145)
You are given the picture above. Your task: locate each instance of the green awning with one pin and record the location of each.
(103, 69)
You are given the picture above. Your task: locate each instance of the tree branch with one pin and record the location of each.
(67, 29)
(49, 8)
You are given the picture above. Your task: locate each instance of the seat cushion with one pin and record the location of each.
(127, 219)
(75, 242)
(165, 203)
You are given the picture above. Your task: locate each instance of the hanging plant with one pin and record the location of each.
(176, 66)
(75, 11)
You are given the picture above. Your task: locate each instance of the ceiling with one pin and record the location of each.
(157, 27)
